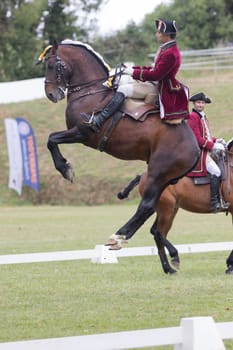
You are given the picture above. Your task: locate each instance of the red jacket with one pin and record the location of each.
(173, 97)
(205, 141)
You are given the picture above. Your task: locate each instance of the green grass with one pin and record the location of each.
(56, 299)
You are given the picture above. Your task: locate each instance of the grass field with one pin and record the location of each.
(56, 299)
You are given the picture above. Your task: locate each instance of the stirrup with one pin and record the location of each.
(220, 207)
(90, 121)
(87, 118)
(224, 205)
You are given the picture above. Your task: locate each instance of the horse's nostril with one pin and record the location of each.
(51, 97)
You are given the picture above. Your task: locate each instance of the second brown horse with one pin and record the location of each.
(188, 196)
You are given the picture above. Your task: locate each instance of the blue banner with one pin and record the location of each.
(29, 154)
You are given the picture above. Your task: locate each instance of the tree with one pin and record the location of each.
(124, 46)
(28, 26)
(202, 24)
(18, 36)
(59, 23)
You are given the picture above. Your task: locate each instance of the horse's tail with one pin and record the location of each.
(133, 183)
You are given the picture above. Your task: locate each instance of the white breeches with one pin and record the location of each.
(136, 88)
(211, 166)
(126, 89)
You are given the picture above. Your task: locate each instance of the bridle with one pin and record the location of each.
(60, 70)
(63, 83)
(60, 80)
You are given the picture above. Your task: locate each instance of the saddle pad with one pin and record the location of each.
(201, 180)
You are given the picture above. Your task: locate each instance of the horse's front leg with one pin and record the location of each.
(60, 163)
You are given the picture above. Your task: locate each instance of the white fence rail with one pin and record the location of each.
(196, 333)
(102, 254)
(208, 59)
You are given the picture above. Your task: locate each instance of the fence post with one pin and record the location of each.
(103, 255)
(199, 333)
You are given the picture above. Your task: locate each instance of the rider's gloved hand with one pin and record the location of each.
(218, 147)
(222, 141)
(128, 71)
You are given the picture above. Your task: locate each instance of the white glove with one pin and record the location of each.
(128, 70)
(222, 141)
(218, 147)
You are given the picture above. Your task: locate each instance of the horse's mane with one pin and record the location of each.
(99, 58)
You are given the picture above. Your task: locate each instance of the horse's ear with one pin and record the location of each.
(55, 44)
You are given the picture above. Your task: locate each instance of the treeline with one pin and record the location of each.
(26, 27)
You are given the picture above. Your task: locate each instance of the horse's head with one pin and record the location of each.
(74, 66)
(56, 74)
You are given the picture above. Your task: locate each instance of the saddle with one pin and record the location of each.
(140, 109)
(203, 180)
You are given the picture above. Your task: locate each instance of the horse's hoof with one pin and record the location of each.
(229, 270)
(172, 272)
(116, 241)
(175, 263)
(115, 247)
(69, 173)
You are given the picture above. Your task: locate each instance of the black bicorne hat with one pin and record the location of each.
(200, 96)
(166, 26)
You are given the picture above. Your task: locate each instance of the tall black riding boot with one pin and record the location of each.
(215, 204)
(95, 122)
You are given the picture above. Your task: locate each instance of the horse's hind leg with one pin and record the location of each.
(161, 242)
(145, 209)
(159, 231)
(175, 156)
(229, 270)
(166, 213)
(173, 252)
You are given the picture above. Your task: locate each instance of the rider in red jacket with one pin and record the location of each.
(173, 95)
(207, 143)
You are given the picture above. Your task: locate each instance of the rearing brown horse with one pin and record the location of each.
(170, 150)
(188, 196)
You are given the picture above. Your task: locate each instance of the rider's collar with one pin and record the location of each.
(201, 114)
(168, 44)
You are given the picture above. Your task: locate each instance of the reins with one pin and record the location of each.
(79, 87)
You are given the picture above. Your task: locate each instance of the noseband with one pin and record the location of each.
(60, 73)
